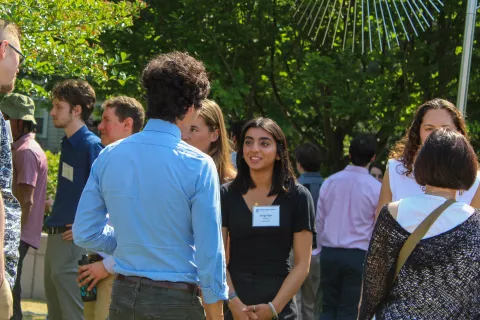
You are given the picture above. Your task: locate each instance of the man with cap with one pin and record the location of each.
(29, 178)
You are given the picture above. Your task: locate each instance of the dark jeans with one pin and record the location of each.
(143, 302)
(255, 289)
(341, 282)
(17, 289)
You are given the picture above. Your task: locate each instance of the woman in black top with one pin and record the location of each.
(265, 213)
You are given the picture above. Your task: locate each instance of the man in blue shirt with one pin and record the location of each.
(162, 196)
(308, 159)
(73, 102)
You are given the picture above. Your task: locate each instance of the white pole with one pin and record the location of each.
(466, 56)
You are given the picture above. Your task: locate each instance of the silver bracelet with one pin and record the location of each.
(274, 312)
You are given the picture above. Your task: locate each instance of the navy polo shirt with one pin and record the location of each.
(78, 153)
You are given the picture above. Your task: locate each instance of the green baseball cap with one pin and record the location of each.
(18, 107)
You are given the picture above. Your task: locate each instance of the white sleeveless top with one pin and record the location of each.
(413, 210)
(404, 187)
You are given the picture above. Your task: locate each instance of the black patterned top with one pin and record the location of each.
(12, 207)
(440, 279)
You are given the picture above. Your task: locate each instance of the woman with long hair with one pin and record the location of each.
(265, 213)
(209, 134)
(424, 255)
(399, 181)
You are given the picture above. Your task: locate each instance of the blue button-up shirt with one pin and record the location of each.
(312, 181)
(163, 200)
(78, 152)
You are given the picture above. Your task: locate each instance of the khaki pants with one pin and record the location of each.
(98, 310)
(6, 301)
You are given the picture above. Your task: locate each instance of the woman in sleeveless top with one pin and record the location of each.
(209, 135)
(265, 213)
(399, 181)
(440, 278)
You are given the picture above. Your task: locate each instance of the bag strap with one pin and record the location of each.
(418, 234)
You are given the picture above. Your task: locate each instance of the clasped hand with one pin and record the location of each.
(241, 311)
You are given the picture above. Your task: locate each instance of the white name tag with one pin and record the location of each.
(266, 216)
(67, 171)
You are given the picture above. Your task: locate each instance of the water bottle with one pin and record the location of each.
(87, 296)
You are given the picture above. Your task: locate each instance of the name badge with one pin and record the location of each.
(266, 216)
(67, 171)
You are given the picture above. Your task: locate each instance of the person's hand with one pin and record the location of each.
(48, 204)
(68, 235)
(262, 311)
(93, 272)
(236, 307)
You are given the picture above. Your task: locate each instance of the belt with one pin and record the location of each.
(190, 287)
(55, 230)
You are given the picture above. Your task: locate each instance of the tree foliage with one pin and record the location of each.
(262, 63)
(62, 39)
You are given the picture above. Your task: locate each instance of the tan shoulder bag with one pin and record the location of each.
(418, 234)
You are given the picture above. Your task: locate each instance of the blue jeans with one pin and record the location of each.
(145, 302)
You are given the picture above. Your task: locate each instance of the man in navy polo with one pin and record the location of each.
(73, 102)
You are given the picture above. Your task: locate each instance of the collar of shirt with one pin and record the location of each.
(77, 136)
(22, 140)
(357, 169)
(163, 126)
(311, 175)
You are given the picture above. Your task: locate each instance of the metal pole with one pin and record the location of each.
(466, 56)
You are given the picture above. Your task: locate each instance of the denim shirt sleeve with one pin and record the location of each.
(206, 221)
(90, 229)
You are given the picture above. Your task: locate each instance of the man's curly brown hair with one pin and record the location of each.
(174, 82)
(407, 148)
(76, 93)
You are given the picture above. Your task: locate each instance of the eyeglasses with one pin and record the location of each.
(22, 56)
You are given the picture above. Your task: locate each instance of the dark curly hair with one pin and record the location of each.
(407, 148)
(76, 93)
(174, 82)
(283, 178)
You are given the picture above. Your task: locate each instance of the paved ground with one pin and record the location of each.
(34, 310)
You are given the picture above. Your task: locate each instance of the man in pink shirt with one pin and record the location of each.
(345, 220)
(29, 179)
